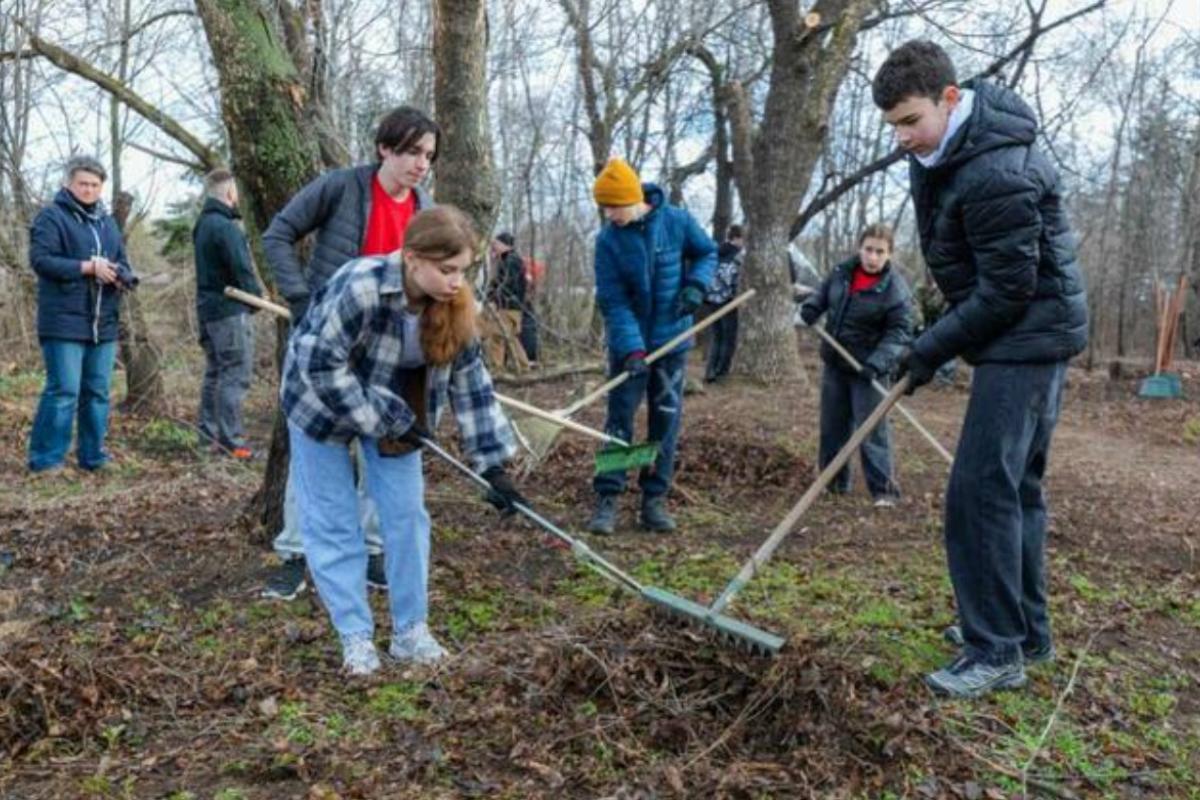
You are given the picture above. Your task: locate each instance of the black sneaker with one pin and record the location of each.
(1032, 656)
(287, 583)
(655, 516)
(604, 517)
(376, 576)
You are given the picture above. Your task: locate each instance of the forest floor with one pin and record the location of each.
(137, 659)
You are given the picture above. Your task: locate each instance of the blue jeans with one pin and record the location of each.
(228, 366)
(78, 379)
(662, 389)
(333, 538)
(996, 511)
(846, 402)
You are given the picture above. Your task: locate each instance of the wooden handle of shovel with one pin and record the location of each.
(563, 422)
(234, 293)
(853, 362)
(826, 477)
(596, 394)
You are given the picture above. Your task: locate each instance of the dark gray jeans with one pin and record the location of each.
(228, 365)
(996, 511)
(846, 402)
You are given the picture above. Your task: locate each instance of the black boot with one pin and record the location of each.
(655, 516)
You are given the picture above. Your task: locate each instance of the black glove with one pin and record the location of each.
(635, 364)
(919, 372)
(868, 373)
(410, 441)
(809, 314)
(297, 306)
(688, 300)
(503, 493)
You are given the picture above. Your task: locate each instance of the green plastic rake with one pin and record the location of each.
(727, 628)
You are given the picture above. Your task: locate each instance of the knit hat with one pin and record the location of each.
(617, 184)
(505, 238)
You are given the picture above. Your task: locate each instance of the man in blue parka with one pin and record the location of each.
(653, 265)
(76, 250)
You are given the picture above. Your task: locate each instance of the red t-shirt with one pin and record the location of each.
(864, 280)
(389, 219)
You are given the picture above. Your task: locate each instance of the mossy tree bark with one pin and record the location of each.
(275, 152)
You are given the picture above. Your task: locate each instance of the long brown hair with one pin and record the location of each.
(447, 327)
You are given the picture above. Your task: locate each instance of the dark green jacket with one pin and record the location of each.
(222, 259)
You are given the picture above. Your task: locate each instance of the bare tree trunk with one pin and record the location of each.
(465, 173)
(275, 153)
(144, 391)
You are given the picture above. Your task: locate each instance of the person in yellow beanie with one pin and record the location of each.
(653, 265)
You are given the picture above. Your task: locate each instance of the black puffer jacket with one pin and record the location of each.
(336, 206)
(874, 324)
(996, 238)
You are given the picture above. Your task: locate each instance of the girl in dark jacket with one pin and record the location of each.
(869, 309)
(76, 250)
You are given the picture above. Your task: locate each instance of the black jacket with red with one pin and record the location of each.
(874, 324)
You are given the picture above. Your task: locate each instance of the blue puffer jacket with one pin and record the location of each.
(70, 305)
(640, 270)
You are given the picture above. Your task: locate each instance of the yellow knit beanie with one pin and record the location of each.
(617, 184)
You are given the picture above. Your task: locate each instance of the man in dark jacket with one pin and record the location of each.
(995, 236)
(77, 252)
(724, 288)
(653, 265)
(869, 312)
(358, 211)
(506, 294)
(226, 330)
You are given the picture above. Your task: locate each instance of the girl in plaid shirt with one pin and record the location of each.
(386, 345)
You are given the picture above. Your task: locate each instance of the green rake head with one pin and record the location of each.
(727, 629)
(615, 458)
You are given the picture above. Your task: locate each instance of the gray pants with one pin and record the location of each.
(288, 543)
(228, 365)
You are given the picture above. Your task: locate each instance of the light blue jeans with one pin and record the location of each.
(333, 538)
(78, 380)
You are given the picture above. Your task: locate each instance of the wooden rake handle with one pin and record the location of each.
(258, 302)
(604, 389)
(853, 362)
(767, 548)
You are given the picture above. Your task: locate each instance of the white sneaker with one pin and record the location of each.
(359, 657)
(415, 643)
(885, 502)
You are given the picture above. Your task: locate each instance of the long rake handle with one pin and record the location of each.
(765, 551)
(563, 422)
(659, 353)
(234, 293)
(578, 548)
(879, 387)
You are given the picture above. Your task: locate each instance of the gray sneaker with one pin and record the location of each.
(287, 582)
(1032, 656)
(359, 657)
(604, 517)
(967, 677)
(415, 643)
(655, 516)
(376, 575)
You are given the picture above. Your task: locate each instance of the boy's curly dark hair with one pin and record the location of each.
(917, 68)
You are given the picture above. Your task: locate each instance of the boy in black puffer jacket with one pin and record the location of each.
(995, 236)
(869, 309)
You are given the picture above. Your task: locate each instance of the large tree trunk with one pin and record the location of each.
(773, 164)
(142, 358)
(275, 153)
(465, 173)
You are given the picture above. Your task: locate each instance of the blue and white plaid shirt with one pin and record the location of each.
(342, 377)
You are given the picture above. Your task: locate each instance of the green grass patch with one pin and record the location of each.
(21, 384)
(396, 701)
(164, 437)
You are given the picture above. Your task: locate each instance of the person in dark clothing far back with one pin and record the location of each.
(226, 329)
(77, 252)
(723, 289)
(995, 236)
(506, 293)
(868, 307)
(353, 212)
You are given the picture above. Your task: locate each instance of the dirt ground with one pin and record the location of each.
(137, 660)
